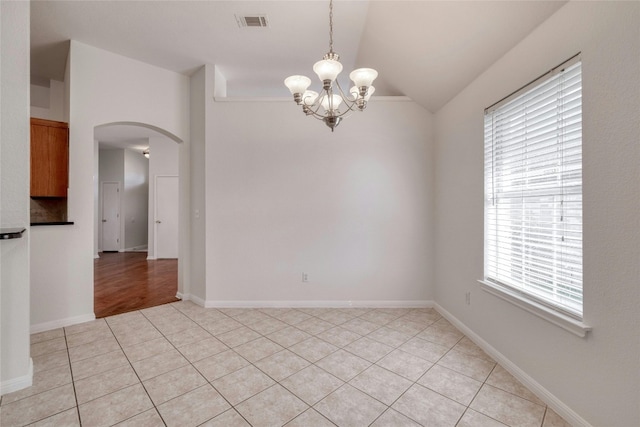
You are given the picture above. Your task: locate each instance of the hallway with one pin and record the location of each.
(126, 281)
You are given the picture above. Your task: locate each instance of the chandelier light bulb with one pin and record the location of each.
(309, 98)
(363, 77)
(331, 103)
(327, 69)
(297, 84)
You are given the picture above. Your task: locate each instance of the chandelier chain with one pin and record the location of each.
(331, 26)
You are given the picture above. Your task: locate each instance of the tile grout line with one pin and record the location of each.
(73, 383)
(371, 363)
(251, 363)
(196, 369)
(311, 407)
(343, 348)
(60, 386)
(135, 372)
(276, 382)
(421, 376)
(233, 407)
(418, 379)
(312, 315)
(476, 395)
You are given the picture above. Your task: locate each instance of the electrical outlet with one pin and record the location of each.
(305, 278)
(467, 298)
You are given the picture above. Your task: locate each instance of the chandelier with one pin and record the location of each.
(325, 105)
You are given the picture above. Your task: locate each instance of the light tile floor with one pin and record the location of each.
(184, 365)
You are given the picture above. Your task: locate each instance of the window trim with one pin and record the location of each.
(556, 315)
(567, 323)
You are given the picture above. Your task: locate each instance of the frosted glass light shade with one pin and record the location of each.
(297, 84)
(363, 76)
(337, 100)
(327, 69)
(309, 97)
(355, 92)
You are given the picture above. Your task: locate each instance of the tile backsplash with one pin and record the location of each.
(50, 209)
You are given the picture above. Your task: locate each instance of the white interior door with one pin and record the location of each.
(110, 216)
(166, 217)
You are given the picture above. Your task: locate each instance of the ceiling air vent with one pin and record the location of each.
(253, 21)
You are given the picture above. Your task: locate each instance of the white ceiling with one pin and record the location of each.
(133, 137)
(427, 50)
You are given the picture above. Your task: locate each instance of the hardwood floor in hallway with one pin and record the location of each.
(126, 281)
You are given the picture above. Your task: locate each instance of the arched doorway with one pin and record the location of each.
(136, 219)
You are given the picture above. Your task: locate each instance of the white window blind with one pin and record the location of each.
(533, 191)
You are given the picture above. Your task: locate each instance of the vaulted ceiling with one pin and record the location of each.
(427, 50)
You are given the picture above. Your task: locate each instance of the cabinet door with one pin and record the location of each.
(49, 158)
(58, 161)
(39, 160)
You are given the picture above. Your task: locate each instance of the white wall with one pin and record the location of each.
(136, 199)
(48, 102)
(163, 160)
(15, 367)
(597, 377)
(40, 95)
(352, 209)
(103, 88)
(202, 130)
(111, 165)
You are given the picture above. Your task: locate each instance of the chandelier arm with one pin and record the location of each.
(316, 115)
(315, 107)
(348, 103)
(314, 112)
(345, 98)
(348, 111)
(319, 116)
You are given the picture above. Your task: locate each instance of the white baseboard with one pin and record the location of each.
(545, 395)
(150, 258)
(318, 304)
(15, 384)
(140, 248)
(193, 298)
(304, 304)
(54, 324)
(96, 256)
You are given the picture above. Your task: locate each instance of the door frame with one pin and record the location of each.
(184, 270)
(119, 201)
(155, 213)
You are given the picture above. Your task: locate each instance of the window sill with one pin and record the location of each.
(574, 326)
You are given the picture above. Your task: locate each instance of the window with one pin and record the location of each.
(533, 192)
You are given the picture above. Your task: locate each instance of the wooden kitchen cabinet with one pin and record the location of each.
(49, 158)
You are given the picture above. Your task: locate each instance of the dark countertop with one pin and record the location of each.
(11, 233)
(52, 223)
